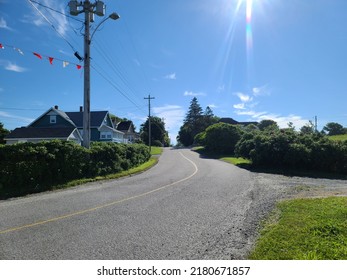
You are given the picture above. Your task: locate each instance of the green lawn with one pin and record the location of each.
(238, 161)
(156, 151)
(141, 168)
(305, 229)
(338, 137)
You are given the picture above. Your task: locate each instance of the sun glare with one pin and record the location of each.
(240, 13)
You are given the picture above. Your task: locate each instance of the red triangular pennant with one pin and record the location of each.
(50, 60)
(38, 55)
(78, 67)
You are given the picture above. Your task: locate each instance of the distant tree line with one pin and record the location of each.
(265, 144)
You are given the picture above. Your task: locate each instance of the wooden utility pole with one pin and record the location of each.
(149, 120)
(89, 9)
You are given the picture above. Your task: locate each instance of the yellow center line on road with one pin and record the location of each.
(102, 205)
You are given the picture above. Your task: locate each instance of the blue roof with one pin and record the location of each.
(41, 132)
(96, 118)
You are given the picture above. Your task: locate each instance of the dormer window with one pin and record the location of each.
(52, 119)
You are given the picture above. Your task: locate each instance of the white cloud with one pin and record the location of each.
(3, 24)
(173, 116)
(261, 90)
(59, 21)
(171, 76)
(248, 108)
(251, 113)
(282, 121)
(14, 67)
(15, 117)
(244, 97)
(212, 106)
(239, 106)
(191, 93)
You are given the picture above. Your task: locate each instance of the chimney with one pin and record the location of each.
(56, 107)
(81, 109)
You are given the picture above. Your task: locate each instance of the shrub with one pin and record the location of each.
(222, 137)
(289, 149)
(28, 168)
(200, 139)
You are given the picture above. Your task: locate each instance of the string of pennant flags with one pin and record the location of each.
(40, 56)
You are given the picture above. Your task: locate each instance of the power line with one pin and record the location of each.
(49, 8)
(52, 25)
(116, 68)
(116, 88)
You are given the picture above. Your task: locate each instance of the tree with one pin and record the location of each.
(267, 124)
(308, 128)
(208, 119)
(334, 128)
(291, 126)
(192, 124)
(158, 132)
(195, 122)
(3, 133)
(194, 112)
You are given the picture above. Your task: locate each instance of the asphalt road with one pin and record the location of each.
(186, 207)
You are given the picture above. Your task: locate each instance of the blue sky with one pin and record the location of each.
(249, 60)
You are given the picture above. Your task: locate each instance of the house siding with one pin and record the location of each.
(45, 122)
(94, 134)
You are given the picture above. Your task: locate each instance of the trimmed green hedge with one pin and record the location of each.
(29, 168)
(289, 149)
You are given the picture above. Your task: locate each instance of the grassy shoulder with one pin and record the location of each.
(156, 151)
(141, 168)
(305, 229)
(341, 137)
(238, 161)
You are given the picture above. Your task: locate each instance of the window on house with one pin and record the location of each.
(106, 135)
(52, 119)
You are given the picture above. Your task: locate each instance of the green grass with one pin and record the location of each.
(305, 229)
(238, 161)
(156, 151)
(141, 168)
(342, 137)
